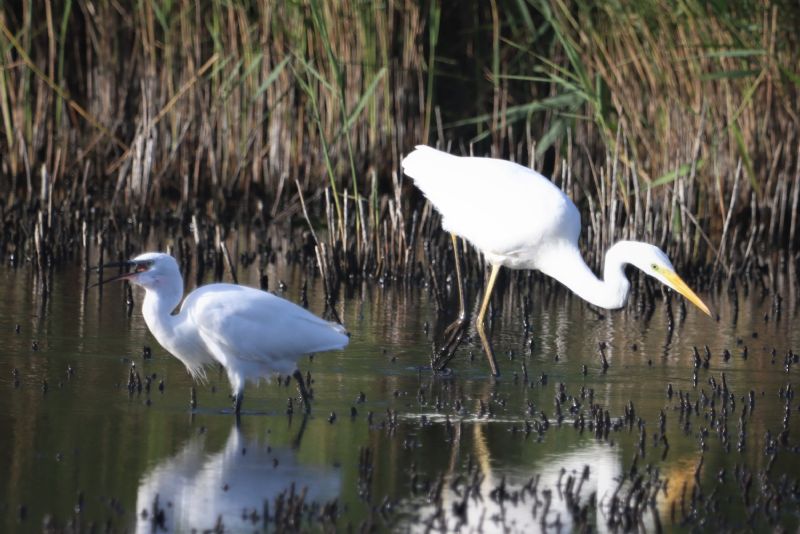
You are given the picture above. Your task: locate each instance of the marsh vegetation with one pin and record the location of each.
(261, 141)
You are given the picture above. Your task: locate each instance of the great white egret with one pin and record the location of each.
(250, 332)
(519, 219)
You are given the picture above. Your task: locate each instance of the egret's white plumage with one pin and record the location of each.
(252, 333)
(519, 219)
(509, 212)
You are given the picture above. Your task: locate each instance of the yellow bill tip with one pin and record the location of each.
(680, 286)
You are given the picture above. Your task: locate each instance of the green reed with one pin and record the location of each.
(670, 122)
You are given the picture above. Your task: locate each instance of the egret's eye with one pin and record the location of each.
(142, 267)
(654, 267)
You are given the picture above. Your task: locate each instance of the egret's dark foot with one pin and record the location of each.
(454, 335)
(237, 402)
(456, 326)
(301, 385)
(444, 373)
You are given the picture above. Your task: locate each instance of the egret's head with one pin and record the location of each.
(151, 270)
(652, 261)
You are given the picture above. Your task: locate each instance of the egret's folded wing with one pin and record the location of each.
(498, 205)
(254, 324)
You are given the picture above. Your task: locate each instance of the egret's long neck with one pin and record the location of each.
(157, 309)
(565, 263)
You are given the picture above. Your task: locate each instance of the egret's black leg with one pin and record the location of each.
(238, 397)
(487, 345)
(301, 385)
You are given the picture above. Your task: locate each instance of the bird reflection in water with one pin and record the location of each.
(515, 499)
(230, 489)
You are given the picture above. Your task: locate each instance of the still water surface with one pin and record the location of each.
(465, 451)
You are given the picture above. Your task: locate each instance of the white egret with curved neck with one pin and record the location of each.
(519, 219)
(251, 333)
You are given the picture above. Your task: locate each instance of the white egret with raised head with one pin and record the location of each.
(251, 333)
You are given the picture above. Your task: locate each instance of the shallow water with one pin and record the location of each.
(462, 451)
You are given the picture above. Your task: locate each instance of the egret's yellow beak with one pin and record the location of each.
(680, 286)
